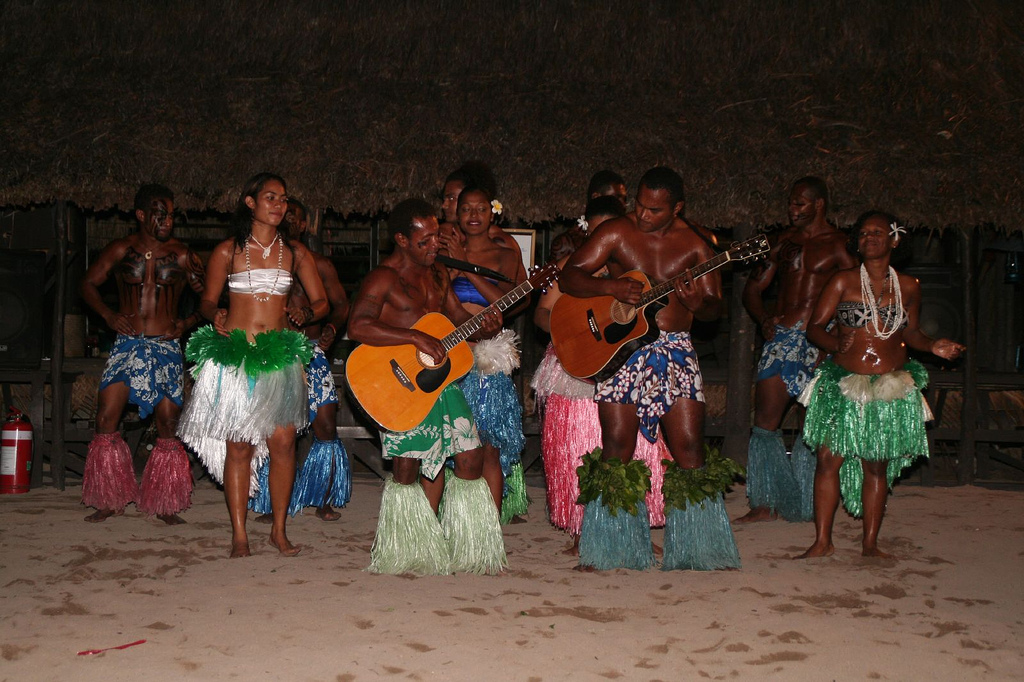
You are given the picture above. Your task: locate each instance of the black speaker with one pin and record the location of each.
(22, 276)
(942, 302)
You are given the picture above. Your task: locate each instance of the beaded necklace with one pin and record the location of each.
(866, 292)
(266, 252)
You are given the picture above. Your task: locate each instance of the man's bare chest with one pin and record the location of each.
(661, 261)
(145, 267)
(811, 257)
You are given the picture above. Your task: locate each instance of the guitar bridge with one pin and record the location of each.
(592, 325)
(402, 377)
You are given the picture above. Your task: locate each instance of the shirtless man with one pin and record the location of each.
(326, 476)
(603, 183)
(660, 384)
(404, 287)
(145, 365)
(803, 257)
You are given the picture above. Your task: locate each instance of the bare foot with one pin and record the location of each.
(171, 519)
(583, 569)
(284, 546)
(876, 553)
(817, 551)
(518, 519)
(325, 513)
(240, 549)
(264, 518)
(758, 514)
(574, 548)
(101, 515)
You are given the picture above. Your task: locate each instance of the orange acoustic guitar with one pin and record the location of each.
(398, 385)
(594, 336)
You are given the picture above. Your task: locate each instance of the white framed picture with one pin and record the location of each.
(527, 239)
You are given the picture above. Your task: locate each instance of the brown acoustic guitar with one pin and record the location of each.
(593, 337)
(398, 385)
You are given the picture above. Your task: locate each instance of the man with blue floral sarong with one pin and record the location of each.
(145, 365)
(410, 538)
(659, 387)
(803, 257)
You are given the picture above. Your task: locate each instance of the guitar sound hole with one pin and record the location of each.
(622, 313)
(427, 361)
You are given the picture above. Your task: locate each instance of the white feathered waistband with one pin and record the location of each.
(497, 354)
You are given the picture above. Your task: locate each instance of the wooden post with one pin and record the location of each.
(57, 349)
(741, 362)
(314, 231)
(969, 409)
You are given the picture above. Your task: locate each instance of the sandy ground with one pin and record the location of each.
(951, 607)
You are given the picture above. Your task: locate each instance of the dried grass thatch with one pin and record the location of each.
(915, 107)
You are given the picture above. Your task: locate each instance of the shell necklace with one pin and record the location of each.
(266, 249)
(266, 253)
(885, 330)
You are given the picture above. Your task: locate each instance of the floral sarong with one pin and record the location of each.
(446, 431)
(654, 378)
(151, 367)
(788, 355)
(320, 382)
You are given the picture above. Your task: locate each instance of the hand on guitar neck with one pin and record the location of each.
(694, 299)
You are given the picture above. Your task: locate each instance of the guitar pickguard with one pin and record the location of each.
(430, 379)
(614, 332)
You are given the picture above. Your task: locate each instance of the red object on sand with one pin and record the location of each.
(90, 652)
(16, 454)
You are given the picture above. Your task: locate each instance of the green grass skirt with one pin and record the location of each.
(877, 430)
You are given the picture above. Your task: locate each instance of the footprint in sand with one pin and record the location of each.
(11, 652)
(159, 625)
(889, 590)
(779, 657)
(416, 646)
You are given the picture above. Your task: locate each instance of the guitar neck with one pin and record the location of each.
(473, 324)
(665, 288)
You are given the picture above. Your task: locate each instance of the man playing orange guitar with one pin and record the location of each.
(660, 384)
(394, 296)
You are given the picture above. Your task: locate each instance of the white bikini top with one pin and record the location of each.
(264, 281)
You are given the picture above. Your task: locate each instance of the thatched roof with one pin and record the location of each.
(916, 109)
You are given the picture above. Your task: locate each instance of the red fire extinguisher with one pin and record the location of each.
(15, 453)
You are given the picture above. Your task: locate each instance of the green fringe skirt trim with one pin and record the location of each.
(889, 430)
(268, 352)
(409, 538)
(471, 527)
(515, 502)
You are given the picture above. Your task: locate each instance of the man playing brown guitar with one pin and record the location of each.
(659, 384)
(405, 287)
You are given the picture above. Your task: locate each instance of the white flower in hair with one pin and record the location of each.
(896, 231)
(582, 222)
(496, 207)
